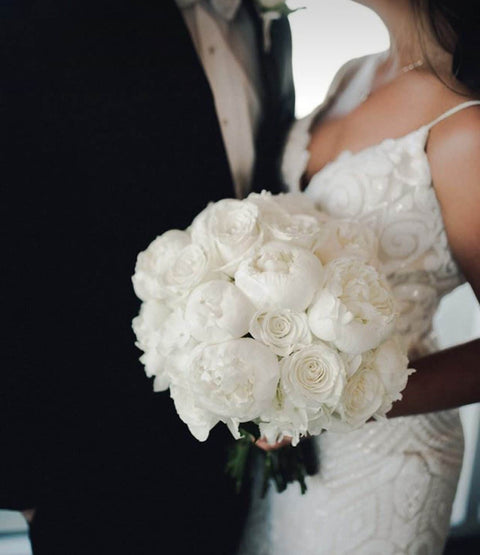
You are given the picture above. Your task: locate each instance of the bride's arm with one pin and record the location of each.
(451, 378)
(444, 380)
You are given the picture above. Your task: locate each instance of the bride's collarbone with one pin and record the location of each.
(388, 114)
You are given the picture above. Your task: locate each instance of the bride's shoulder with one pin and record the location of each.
(455, 165)
(456, 138)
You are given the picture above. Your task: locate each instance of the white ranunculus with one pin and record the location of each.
(284, 331)
(198, 420)
(355, 309)
(229, 230)
(343, 238)
(313, 378)
(217, 311)
(170, 267)
(280, 276)
(236, 380)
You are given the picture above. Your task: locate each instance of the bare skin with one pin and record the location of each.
(398, 104)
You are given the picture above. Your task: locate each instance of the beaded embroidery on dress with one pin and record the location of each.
(387, 488)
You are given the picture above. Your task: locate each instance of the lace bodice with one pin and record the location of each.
(388, 187)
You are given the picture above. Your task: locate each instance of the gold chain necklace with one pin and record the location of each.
(402, 71)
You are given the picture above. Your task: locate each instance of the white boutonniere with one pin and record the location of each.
(270, 10)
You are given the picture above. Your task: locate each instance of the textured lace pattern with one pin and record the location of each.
(388, 187)
(387, 488)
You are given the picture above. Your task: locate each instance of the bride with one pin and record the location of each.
(395, 145)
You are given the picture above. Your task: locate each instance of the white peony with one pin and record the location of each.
(217, 311)
(285, 221)
(355, 309)
(343, 238)
(313, 378)
(236, 380)
(268, 206)
(170, 267)
(146, 327)
(198, 420)
(165, 339)
(298, 203)
(283, 331)
(280, 276)
(391, 364)
(296, 229)
(284, 420)
(228, 230)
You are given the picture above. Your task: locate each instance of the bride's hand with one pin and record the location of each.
(265, 446)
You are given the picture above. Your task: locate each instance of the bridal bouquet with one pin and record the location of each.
(272, 318)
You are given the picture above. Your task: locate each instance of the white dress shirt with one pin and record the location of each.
(228, 51)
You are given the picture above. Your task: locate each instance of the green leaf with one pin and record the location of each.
(281, 8)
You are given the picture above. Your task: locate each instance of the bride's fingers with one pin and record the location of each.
(263, 444)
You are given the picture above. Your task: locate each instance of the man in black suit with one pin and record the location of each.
(110, 136)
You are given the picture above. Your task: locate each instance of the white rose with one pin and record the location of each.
(280, 276)
(313, 378)
(198, 420)
(236, 380)
(229, 230)
(284, 331)
(378, 378)
(170, 267)
(363, 395)
(343, 238)
(354, 309)
(217, 311)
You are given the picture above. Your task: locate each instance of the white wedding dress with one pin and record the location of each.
(388, 488)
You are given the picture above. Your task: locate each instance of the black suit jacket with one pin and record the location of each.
(108, 137)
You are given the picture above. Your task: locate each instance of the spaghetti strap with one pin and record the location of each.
(452, 111)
